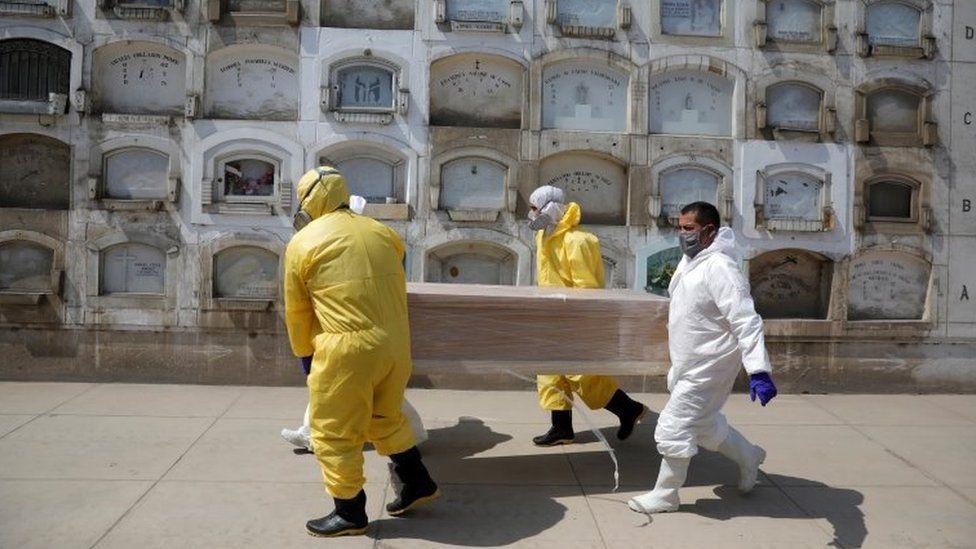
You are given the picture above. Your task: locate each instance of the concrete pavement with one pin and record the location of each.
(122, 466)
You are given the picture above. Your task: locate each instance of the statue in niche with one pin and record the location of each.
(582, 94)
(689, 103)
(359, 90)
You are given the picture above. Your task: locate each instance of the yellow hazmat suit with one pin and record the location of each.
(569, 257)
(346, 304)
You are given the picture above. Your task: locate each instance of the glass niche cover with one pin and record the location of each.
(586, 13)
(494, 11)
(683, 186)
(893, 24)
(133, 268)
(365, 87)
(473, 184)
(25, 266)
(136, 174)
(793, 107)
(794, 21)
(369, 178)
(691, 17)
(249, 177)
(893, 111)
(244, 272)
(793, 196)
(691, 103)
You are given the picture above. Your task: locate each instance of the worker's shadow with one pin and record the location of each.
(500, 500)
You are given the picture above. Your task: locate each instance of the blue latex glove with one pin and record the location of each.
(306, 362)
(762, 386)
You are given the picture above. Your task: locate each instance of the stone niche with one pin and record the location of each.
(887, 285)
(473, 183)
(133, 268)
(35, 172)
(477, 11)
(25, 267)
(586, 13)
(476, 90)
(580, 95)
(792, 106)
(34, 77)
(691, 103)
(796, 21)
(369, 14)
(468, 262)
(791, 284)
(139, 78)
(136, 174)
(691, 17)
(247, 82)
(686, 184)
(245, 272)
(893, 24)
(599, 185)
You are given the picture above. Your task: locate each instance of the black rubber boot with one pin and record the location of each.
(348, 519)
(418, 488)
(561, 431)
(628, 410)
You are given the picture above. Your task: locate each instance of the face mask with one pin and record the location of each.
(301, 219)
(539, 221)
(691, 243)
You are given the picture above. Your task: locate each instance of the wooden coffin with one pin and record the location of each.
(531, 330)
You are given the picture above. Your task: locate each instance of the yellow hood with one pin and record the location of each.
(569, 220)
(321, 191)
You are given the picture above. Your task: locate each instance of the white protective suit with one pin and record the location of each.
(713, 328)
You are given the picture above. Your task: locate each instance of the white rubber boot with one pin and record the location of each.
(746, 455)
(664, 497)
(301, 437)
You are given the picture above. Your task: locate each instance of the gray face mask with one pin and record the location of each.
(691, 243)
(539, 221)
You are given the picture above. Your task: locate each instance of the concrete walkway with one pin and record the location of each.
(143, 466)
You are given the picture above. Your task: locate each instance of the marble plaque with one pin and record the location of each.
(597, 184)
(136, 174)
(794, 21)
(587, 13)
(793, 107)
(35, 172)
(890, 200)
(256, 6)
(790, 284)
(793, 196)
(660, 268)
(133, 268)
(473, 183)
(248, 177)
(25, 266)
(893, 24)
(691, 17)
(476, 90)
(893, 110)
(887, 286)
(495, 11)
(683, 186)
(584, 96)
(368, 14)
(472, 267)
(252, 85)
(365, 87)
(370, 178)
(690, 103)
(246, 272)
(139, 78)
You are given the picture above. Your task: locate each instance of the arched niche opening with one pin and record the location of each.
(794, 197)
(683, 185)
(245, 272)
(368, 14)
(598, 184)
(473, 183)
(793, 107)
(136, 77)
(892, 23)
(26, 267)
(132, 268)
(887, 285)
(476, 90)
(35, 172)
(794, 21)
(791, 283)
(471, 262)
(584, 95)
(136, 174)
(690, 102)
(35, 76)
(248, 82)
(691, 17)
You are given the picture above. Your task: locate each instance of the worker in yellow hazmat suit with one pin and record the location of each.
(569, 257)
(346, 308)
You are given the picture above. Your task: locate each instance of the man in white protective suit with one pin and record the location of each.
(713, 328)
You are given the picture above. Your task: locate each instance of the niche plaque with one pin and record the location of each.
(134, 269)
(586, 13)
(136, 174)
(35, 172)
(893, 24)
(793, 196)
(892, 110)
(368, 14)
(583, 96)
(682, 186)
(246, 272)
(25, 267)
(370, 178)
(473, 183)
(887, 286)
(139, 78)
(691, 17)
(474, 11)
(793, 107)
(252, 85)
(794, 21)
(691, 103)
(597, 184)
(790, 284)
(476, 90)
(471, 263)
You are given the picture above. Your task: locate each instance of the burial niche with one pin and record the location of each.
(791, 284)
(597, 184)
(791, 200)
(133, 268)
(136, 174)
(472, 183)
(795, 107)
(35, 172)
(34, 76)
(887, 285)
(892, 199)
(683, 185)
(25, 267)
(691, 17)
(794, 21)
(368, 14)
(370, 177)
(893, 24)
(139, 78)
(476, 90)
(245, 272)
(244, 82)
(690, 103)
(586, 13)
(470, 262)
(579, 95)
